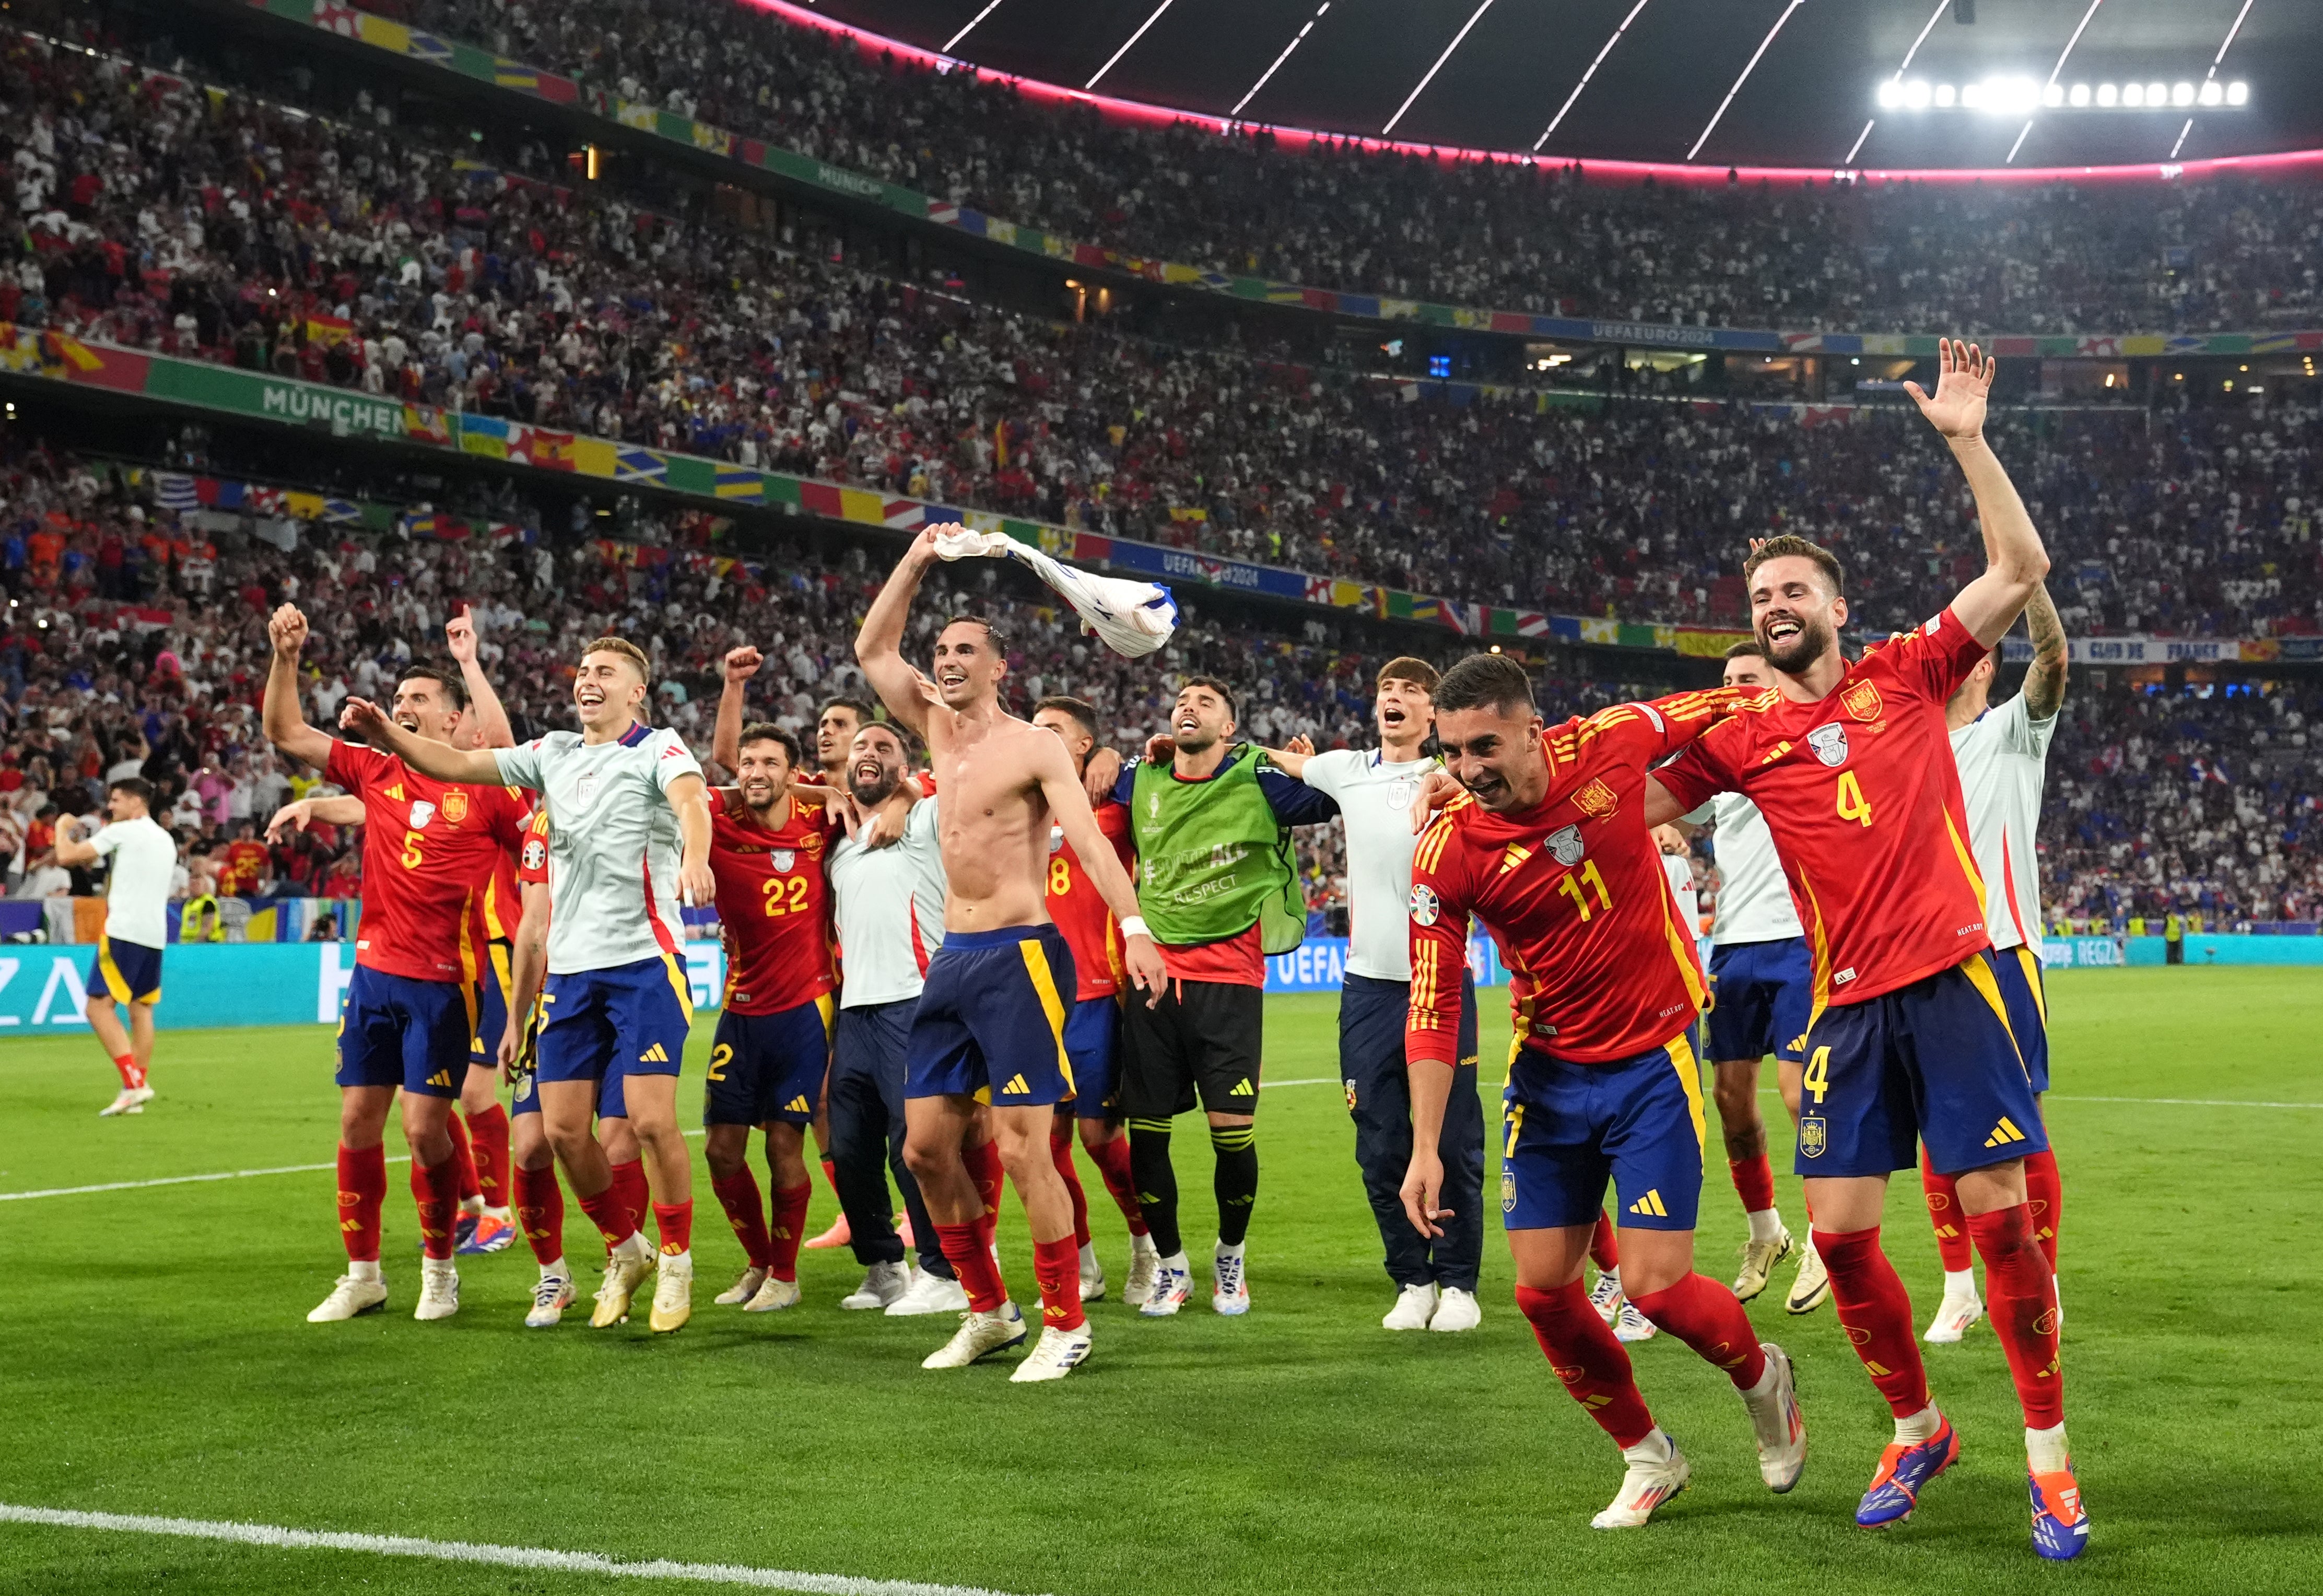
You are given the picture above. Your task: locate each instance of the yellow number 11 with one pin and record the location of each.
(1571, 887)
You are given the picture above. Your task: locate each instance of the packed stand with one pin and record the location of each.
(1510, 235)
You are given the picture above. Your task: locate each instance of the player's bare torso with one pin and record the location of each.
(992, 819)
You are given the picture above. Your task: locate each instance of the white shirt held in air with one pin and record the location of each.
(889, 904)
(1754, 900)
(613, 843)
(137, 895)
(1375, 798)
(2003, 763)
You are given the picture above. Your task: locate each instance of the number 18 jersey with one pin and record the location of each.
(774, 907)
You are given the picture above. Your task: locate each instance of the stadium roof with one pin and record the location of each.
(2007, 84)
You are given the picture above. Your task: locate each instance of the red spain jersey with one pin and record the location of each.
(1089, 928)
(429, 850)
(1862, 795)
(774, 906)
(1572, 891)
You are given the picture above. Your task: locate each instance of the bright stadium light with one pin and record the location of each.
(2157, 93)
(2182, 94)
(2079, 97)
(1945, 96)
(1891, 95)
(1916, 93)
(1972, 96)
(2238, 94)
(2214, 93)
(2054, 94)
(2133, 95)
(2107, 95)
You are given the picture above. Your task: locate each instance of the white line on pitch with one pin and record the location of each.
(535, 1558)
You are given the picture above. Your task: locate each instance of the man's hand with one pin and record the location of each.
(511, 1047)
(1160, 748)
(1147, 972)
(290, 817)
(883, 827)
(1423, 1182)
(923, 551)
(1965, 377)
(287, 629)
(1099, 775)
(743, 662)
(364, 719)
(1436, 789)
(460, 638)
(696, 885)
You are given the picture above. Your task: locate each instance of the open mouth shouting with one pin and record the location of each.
(589, 695)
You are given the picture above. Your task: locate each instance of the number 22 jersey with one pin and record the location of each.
(774, 907)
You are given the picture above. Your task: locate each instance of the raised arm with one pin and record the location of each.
(879, 646)
(2015, 561)
(425, 754)
(2045, 680)
(72, 851)
(285, 723)
(726, 741)
(492, 728)
(1069, 806)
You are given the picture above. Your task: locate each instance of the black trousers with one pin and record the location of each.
(1371, 1015)
(866, 1134)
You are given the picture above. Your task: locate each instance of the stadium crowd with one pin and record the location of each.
(1512, 235)
(151, 214)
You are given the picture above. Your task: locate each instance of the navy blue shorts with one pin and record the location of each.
(399, 1031)
(1765, 993)
(1931, 1062)
(1093, 1048)
(768, 1067)
(611, 1103)
(126, 972)
(2022, 993)
(991, 1020)
(494, 981)
(1567, 1127)
(629, 1020)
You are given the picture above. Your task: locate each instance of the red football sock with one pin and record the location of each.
(675, 1222)
(1060, 1153)
(611, 1216)
(437, 1191)
(1703, 1315)
(1876, 1312)
(362, 1189)
(971, 1260)
(133, 1074)
(2020, 1294)
(1604, 1252)
(1581, 1350)
(831, 1174)
(1111, 1161)
(540, 1211)
(738, 1194)
(1057, 1265)
(788, 1229)
(635, 1196)
(1754, 1183)
(464, 1161)
(2046, 1189)
(488, 1139)
(983, 1161)
(1944, 1214)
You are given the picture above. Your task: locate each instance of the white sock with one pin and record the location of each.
(1656, 1448)
(1767, 1376)
(1613, 1274)
(1088, 1255)
(1177, 1261)
(1141, 1244)
(503, 1215)
(1959, 1282)
(2046, 1451)
(361, 1271)
(558, 1270)
(471, 1206)
(437, 1266)
(1921, 1426)
(1222, 1251)
(1766, 1224)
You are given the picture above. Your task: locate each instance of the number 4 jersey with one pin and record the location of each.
(774, 909)
(1863, 797)
(430, 849)
(1574, 894)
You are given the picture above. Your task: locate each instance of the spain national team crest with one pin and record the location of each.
(1351, 1094)
(1862, 701)
(811, 842)
(1813, 1136)
(1597, 800)
(1829, 743)
(1565, 847)
(1508, 1192)
(422, 812)
(782, 859)
(455, 806)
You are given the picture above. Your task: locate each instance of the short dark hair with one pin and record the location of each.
(1747, 648)
(1404, 667)
(862, 710)
(1234, 707)
(448, 678)
(1790, 547)
(1084, 713)
(136, 786)
(993, 634)
(900, 732)
(1484, 682)
(766, 731)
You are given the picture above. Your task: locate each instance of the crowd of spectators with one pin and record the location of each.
(1510, 234)
(150, 213)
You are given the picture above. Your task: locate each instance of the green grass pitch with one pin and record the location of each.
(154, 1360)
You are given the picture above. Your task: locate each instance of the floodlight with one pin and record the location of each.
(1945, 96)
(2133, 95)
(1891, 95)
(2238, 94)
(2054, 94)
(1972, 96)
(1915, 93)
(2107, 95)
(2182, 94)
(2080, 96)
(2213, 93)
(2157, 93)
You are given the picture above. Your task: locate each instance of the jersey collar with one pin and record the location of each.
(637, 733)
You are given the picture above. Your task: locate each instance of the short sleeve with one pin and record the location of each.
(1699, 814)
(108, 841)
(673, 759)
(1328, 773)
(352, 766)
(2022, 734)
(1935, 657)
(520, 765)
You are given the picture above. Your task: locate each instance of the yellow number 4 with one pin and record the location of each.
(1852, 804)
(1817, 1078)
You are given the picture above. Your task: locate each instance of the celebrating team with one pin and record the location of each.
(958, 965)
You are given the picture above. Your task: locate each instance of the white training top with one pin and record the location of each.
(137, 895)
(1375, 802)
(2004, 761)
(889, 906)
(613, 843)
(1680, 881)
(1754, 900)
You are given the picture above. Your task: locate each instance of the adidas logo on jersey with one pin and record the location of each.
(1650, 1205)
(2004, 1133)
(656, 1054)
